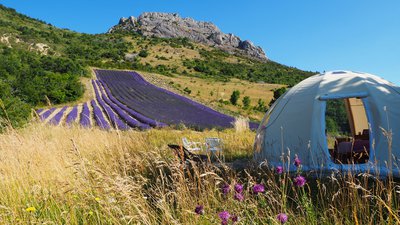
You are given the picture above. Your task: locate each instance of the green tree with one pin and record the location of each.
(261, 106)
(336, 117)
(13, 112)
(235, 97)
(143, 53)
(246, 102)
(277, 93)
(187, 90)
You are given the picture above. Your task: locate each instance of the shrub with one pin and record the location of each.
(13, 112)
(235, 97)
(246, 102)
(261, 106)
(277, 93)
(187, 90)
(143, 53)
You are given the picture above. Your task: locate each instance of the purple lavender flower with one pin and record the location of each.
(120, 112)
(57, 118)
(239, 197)
(98, 116)
(199, 210)
(297, 161)
(85, 116)
(299, 181)
(279, 169)
(71, 117)
(282, 218)
(148, 103)
(46, 114)
(224, 216)
(39, 111)
(258, 188)
(225, 189)
(132, 112)
(238, 188)
(113, 118)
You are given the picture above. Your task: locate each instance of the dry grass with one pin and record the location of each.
(89, 176)
(241, 124)
(53, 175)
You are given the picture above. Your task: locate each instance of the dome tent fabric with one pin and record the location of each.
(295, 124)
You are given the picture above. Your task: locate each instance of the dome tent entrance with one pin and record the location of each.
(295, 124)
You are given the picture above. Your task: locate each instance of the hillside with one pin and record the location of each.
(45, 65)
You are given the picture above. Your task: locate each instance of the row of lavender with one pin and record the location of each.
(107, 113)
(131, 90)
(71, 117)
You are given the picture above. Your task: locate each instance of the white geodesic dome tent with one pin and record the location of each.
(295, 124)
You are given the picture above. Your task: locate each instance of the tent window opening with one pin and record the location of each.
(347, 131)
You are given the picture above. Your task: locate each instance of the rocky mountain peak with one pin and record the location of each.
(171, 25)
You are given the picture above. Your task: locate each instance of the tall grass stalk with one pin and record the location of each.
(53, 175)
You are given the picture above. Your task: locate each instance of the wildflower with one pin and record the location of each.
(199, 210)
(279, 169)
(235, 219)
(239, 197)
(91, 213)
(112, 200)
(225, 189)
(258, 188)
(224, 216)
(97, 199)
(297, 161)
(299, 181)
(31, 209)
(282, 217)
(238, 188)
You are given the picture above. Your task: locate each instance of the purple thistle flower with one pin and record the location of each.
(279, 169)
(297, 161)
(299, 181)
(224, 216)
(258, 188)
(235, 219)
(199, 210)
(238, 188)
(225, 189)
(239, 197)
(282, 217)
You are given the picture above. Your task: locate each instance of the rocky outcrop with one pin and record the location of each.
(168, 25)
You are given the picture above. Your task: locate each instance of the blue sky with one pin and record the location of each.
(359, 35)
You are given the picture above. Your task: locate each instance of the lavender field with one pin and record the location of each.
(125, 100)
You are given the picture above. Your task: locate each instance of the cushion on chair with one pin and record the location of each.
(344, 147)
(361, 145)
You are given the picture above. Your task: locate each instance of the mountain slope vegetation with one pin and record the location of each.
(42, 64)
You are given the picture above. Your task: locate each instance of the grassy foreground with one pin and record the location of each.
(53, 175)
